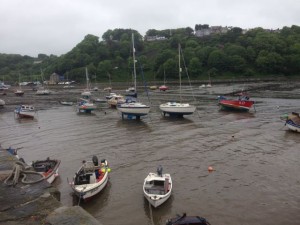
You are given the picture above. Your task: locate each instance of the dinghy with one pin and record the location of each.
(157, 187)
(47, 168)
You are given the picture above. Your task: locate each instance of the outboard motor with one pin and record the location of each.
(95, 160)
(159, 170)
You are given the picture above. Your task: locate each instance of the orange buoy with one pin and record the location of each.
(210, 169)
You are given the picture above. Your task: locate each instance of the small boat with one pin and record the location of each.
(42, 91)
(132, 108)
(99, 100)
(68, 86)
(115, 100)
(292, 121)
(157, 187)
(25, 111)
(241, 104)
(177, 109)
(91, 178)
(85, 106)
(48, 168)
(154, 87)
(66, 103)
(130, 89)
(163, 88)
(107, 89)
(187, 220)
(2, 103)
(110, 95)
(19, 92)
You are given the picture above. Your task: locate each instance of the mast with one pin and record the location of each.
(20, 83)
(87, 79)
(133, 56)
(164, 76)
(179, 69)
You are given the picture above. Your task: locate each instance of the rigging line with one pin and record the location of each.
(185, 67)
(146, 89)
(145, 83)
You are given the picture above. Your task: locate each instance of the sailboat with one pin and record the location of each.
(42, 90)
(209, 82)
(164, 87)
(131, 91)
(84, 104)
(174, 108)
(131, 107)
(86, 92)
(19, 92)
(108, 88)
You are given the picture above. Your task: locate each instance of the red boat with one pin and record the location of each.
(241, 104)
(163, 88)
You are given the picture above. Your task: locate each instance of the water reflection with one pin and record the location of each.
(133, 125)
(159, 215)
(96, 203)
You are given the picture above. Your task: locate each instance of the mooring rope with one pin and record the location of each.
(21, 169)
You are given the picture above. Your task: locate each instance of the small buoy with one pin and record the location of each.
(210, 169)
(108, 170)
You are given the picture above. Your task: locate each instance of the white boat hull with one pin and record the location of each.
(157, 194)
(42, 92)
(89, 190)
(177, 108)
(52, 177)
(25, 111)
(91, 185)
(134, 109)
(292, 126)
(156, 201)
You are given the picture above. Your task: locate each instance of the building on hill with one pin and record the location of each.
(54, 78)
(155, 38)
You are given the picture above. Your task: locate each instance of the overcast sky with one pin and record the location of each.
(30, 27)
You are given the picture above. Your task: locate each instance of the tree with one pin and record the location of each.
(104, 67)
(195, 67)
(269, 62)
(217, 59)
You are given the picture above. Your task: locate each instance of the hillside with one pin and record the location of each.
(257, 52)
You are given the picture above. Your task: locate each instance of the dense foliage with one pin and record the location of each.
(256, 52)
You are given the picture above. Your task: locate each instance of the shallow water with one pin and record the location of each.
(256, 160)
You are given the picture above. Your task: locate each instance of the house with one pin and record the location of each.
(54, 78)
